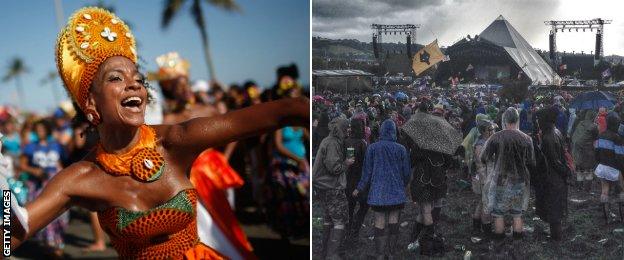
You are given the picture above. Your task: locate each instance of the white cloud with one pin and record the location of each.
(451, 20)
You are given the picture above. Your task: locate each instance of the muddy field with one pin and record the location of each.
(586, 235)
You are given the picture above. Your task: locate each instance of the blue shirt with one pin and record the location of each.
(45, 157)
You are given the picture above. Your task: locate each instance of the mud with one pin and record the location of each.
(586, 234)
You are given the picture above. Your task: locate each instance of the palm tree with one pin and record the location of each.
(16, 70)
(172, 7)
(51, 79)
(101, 4)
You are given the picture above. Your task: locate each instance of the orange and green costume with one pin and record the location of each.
(168, 231)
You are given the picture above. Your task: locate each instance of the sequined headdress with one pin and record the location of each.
(170, 66)
(91, 36)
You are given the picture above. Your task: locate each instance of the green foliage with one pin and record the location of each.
(173, 7)
(16, 69)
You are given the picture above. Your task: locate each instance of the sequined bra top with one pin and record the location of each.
(163, 232)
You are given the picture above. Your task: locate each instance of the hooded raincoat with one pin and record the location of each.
(329, 169)
(470, 140)
(386, 169)
(583, 139)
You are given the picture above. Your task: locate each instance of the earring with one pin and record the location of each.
(93, 117)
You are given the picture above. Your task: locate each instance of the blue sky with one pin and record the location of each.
(246, 45)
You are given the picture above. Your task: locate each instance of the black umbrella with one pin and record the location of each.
(432, 133)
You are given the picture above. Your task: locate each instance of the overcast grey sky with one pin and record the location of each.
(451, 20)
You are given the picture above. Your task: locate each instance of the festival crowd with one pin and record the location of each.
(270, 172)
(383, 149)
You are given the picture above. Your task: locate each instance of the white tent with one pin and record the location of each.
(501, 33)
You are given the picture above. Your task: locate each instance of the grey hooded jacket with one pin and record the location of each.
(329, 168)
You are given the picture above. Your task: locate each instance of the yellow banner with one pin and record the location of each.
(427, 57)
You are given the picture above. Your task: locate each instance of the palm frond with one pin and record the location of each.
(16, 68)
(49, 78)
(101, 4)
(171, 9)
(198, 16)
(229, 5)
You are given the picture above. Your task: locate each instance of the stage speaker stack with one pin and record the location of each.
(375, 50)
(551, 45)
(598, 46)
(409, 46)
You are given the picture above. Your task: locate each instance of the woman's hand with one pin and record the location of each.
(303, 165)
(350, 161)
(190, 138)
(355, 193)
(34, 171)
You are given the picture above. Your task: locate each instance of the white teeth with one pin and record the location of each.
(130, 99)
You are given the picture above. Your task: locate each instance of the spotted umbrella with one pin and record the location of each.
(432, 133)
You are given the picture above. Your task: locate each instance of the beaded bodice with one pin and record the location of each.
(165, 231)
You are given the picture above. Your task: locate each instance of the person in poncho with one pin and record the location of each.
(506, 188)
(583, 138)
(469, 142)
(480, 220)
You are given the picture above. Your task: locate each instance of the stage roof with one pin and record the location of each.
(502, 33)
(339, 73)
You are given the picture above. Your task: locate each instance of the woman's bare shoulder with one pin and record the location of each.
(77, 172)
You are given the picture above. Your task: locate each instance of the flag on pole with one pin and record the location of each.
(427, 57)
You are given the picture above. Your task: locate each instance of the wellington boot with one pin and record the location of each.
(588, 186)
(381, 240)
(556, 231)
(418, 228)
(327, 228)
(334, 243)
(476, 224)
(487, 230)
(605, 211)
(393, 240)
(430, 245)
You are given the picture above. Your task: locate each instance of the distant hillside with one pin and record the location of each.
(353, 49)
(614, 59)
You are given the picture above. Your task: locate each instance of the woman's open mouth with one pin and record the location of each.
(132, 103)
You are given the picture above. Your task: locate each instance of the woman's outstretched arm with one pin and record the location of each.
(190, 138)
(51, 203)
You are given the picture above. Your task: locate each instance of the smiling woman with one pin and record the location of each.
(137, 179)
